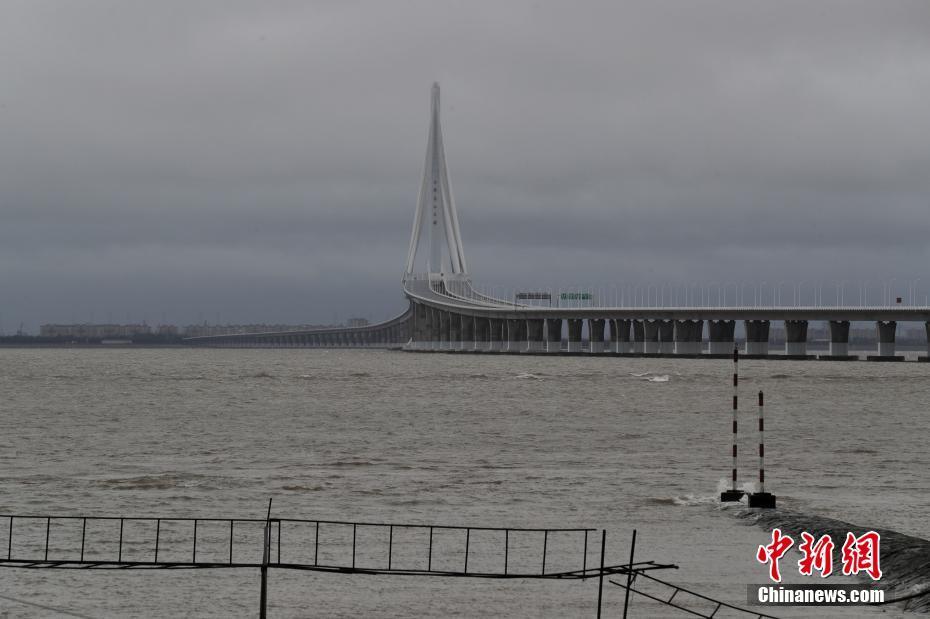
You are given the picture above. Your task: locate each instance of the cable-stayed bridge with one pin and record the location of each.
(446, 312)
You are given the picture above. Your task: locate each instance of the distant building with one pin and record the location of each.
(90, 331)
(357, 322)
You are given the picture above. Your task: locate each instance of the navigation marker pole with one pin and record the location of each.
(731, 495)
(761, 498)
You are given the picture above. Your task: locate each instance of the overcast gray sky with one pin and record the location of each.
(259, 161)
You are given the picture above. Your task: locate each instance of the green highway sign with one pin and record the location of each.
(575, 296)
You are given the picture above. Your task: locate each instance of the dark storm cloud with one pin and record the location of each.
(260, 161)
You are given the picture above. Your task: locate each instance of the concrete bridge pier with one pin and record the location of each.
(927, 328)
(467, 329)
(498, 329)
(516, 335)
(482, 333)
(667, 337)
(455, 331)
(651, 337)
(522, 335)
(422, 331)
(442, 326)
(796, 337)
(839, 338)
(596, 335)
(426, 333)
(574, 334)
(720, 332)
(553, 334)
(639, 336)
(757, 337)
(886, 334)
(535, 335)
(513, 335)
(434, 331)
(620, 336)
(419, 326)
(688, 336)
(448, 319)
(401, 333)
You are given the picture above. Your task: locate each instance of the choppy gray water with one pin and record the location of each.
(449, 439)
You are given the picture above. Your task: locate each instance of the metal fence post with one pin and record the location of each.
(266, 558)
(629, 576)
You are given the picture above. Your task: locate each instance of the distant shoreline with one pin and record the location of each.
(91, 345)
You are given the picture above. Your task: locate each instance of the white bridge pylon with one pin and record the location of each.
(436, 211)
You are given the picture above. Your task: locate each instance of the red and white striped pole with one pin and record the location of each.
(761, 444)
(735, 409)
(762, 498)
(733, 494)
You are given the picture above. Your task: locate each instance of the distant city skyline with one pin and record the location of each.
(260, 163)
